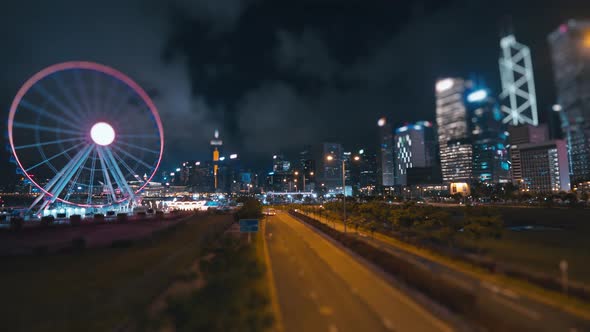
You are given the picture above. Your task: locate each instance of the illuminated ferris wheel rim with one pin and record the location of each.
(87, 65)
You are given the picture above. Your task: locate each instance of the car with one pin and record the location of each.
(269, 212)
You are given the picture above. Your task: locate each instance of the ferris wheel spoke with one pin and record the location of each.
(117, 174)
(138, 136)
(55, 156)
(47, 114)
(105, 174)
(68, 171)
(122, 162)
(95, 92)
(23, 125)
(59, 141)
(109, 95)
(139, 147)
(127, 95)
(63, 108)
(80, 86)
(76, 177)
(91, 181)
(69, 96)
(139, 161)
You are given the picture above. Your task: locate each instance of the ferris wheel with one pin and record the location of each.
(85, 135)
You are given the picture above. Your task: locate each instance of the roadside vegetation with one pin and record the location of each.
(234, 291)
(442, 226)
(532, 241)
(99, 289)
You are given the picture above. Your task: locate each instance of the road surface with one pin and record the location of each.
(322, 288)
(514, 309)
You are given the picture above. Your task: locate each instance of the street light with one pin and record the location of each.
(355, 158)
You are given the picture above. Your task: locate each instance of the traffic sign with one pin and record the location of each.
(248, 225)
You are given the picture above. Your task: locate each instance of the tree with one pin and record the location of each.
(252, 209)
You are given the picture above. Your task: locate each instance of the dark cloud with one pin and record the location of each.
(275, 75)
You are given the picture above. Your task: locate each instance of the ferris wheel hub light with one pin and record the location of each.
(102, 133)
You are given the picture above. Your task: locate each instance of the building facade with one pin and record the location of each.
(545, 167)
(519, 99)
(414, 147)
(570, 50)
(386, 157)
(456, 151)
(488, 136)
(330, 171)
(524, 134)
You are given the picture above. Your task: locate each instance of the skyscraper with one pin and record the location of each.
(414, 148)
(216, 144)
(518, 136)
(330, 171)
(570, 50)
(368, 172)
(519, 100)
(386, 157)
(488, 137)
(453, 132)
(545, 166)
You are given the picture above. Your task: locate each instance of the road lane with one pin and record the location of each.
(514, 308)
(322, 288)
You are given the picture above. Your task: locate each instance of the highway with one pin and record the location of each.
(514, 309)
(320, 287)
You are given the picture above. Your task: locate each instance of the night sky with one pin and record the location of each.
(274, 75)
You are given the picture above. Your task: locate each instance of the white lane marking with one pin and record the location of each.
(498, 290)
(313, 295)
(525, 311)
(388, 324)
(332, 328)
(326, 311)
(510, 294)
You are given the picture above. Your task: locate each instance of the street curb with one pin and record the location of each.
(455, 322)
(279, 327)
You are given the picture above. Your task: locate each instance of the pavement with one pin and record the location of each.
(320, 287)
(511, 306)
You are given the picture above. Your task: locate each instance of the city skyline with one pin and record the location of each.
(373, 86)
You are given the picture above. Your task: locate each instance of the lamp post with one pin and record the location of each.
(355, 158)
(303, 177)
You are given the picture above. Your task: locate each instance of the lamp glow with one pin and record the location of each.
(444, 85)
(102, 133)
(476, 96)
(381, 122)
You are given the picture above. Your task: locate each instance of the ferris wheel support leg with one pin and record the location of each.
(117, 174)
(52, 183)
(36, 201)
(105, 173)
(74, 165)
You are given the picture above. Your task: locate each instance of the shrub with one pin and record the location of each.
(41, 250)
(16, 223)
(99, 217)
(123, 243)
(47, 220)
(75, 219)
(121, 217)
(78, 244)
